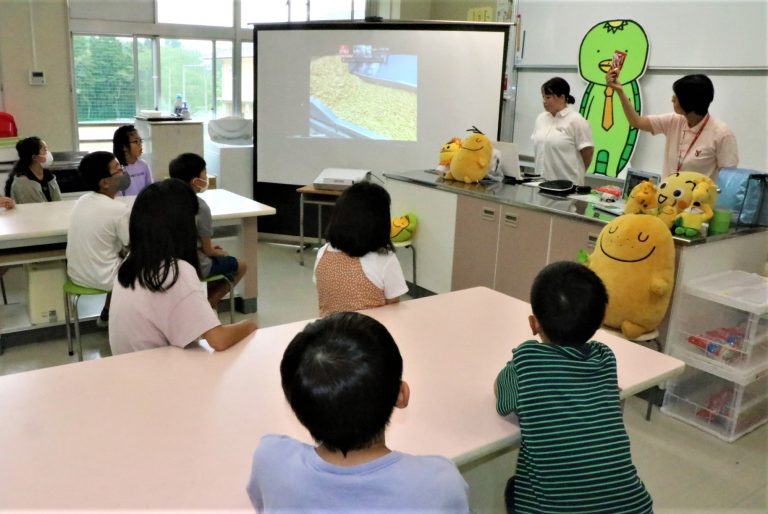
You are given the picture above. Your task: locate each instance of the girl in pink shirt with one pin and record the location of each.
(157, 299)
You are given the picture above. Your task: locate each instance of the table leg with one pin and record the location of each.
(319, 225)
(301, 229)
(250, 237)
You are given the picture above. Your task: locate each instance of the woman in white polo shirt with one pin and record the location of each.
(695, 140)
(562, 139)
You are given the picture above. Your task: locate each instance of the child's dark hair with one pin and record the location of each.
(162, 231)
(558, 86)
(569, 301)
(121, 142)
(26, 149)
(341, 375)
(186, 167)
(694, 93)
(93, 168)
(360, 222)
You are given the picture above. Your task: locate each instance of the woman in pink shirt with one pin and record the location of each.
(695, 140)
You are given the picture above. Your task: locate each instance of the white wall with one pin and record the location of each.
(45, 111)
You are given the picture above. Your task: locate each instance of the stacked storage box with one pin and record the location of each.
(723, 338)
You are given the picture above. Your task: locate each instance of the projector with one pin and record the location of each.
(340, 178)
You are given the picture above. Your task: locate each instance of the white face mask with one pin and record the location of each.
(48, 159)
(201, 185)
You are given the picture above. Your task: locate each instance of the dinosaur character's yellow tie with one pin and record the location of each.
(608, 109)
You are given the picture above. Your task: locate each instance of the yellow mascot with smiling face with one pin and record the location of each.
(635, 258)
(472, 160)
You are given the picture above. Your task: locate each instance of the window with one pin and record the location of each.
(337, 10)
(263, 11)
(186, 72)
(106, 89)
(224, 79)
(246, 80)
(197, 12)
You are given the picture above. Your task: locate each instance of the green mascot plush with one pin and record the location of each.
(403, 227)
(635, 258)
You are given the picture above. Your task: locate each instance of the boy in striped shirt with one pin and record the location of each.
(575, 454)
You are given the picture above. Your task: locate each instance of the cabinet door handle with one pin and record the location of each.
(591, 240)
(510, 219)
(489, 214)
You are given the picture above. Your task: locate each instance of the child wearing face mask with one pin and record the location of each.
(190, 168)
(98, 228)
(30, 182)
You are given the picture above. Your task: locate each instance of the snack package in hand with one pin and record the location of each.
(618, 60)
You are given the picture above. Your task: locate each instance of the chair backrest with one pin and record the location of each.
(230, 127)
(7, 125)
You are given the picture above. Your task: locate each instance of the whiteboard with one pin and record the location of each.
(740, 101)
(690, 33)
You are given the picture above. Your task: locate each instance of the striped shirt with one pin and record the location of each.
(575, 453)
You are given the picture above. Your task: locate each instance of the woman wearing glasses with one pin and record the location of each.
(127, 146)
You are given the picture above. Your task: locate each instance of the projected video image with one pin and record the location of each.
(363, 92)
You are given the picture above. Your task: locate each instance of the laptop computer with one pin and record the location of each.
(509, 159)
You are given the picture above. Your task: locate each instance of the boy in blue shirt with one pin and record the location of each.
(342, 377)
(575, 453)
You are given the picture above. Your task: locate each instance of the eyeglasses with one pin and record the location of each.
(137, 141)
(120, 169)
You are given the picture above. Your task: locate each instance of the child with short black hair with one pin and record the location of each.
(575, 454)
(342, 377)
(358, 269)
(190, 168)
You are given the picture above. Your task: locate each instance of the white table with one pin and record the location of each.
(175, 429)
(38, 232)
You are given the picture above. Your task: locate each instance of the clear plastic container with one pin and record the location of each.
(739, 289)
(723, 340)
(722, 326)
(716, 405)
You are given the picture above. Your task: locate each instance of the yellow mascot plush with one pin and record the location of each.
(635, 258)
(642, 199)
(674, 194)
(447, 152)
(689, 222)
(472, 160)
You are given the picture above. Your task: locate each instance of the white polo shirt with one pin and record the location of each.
(557, 144)
(98, 231)
(715, 147)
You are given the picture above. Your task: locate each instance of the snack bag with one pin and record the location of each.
(618, 60)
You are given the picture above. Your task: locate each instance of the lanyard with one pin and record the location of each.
(696, 137)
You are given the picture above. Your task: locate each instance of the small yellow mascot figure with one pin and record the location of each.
(689, 222)
(447, 152)
(642, 199)
(471, 162)
(635, 258)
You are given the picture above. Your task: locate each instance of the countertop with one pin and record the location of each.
(529, 197)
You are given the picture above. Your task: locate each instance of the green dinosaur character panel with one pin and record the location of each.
(614, 138)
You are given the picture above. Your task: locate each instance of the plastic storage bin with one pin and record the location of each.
(724, 326)
(45, 283)
(716, 405)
